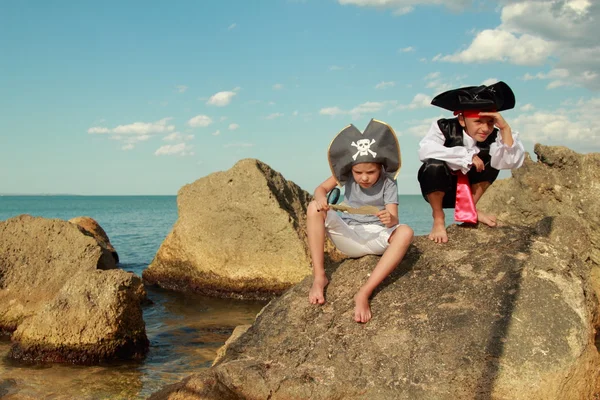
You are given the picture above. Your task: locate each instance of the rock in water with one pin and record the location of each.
(92, 227)
(58, 299)
(95, 317)
(240, 233)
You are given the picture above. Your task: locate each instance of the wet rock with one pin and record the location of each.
(95, 317)
(37, 256)
(92, 227)
(61, 297)
(240, 233)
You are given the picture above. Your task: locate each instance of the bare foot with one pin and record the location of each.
(489, 220)
(316, 294)
(362, 311)
(438, 231)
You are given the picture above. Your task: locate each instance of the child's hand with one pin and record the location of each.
(498, 119)
(322, 204)
(387, 218)
(478, 163)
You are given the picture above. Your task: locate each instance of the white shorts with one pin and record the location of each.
(357, 240)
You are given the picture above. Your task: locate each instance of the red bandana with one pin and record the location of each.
(471, 113)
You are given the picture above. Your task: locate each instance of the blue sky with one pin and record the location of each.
(142, 97)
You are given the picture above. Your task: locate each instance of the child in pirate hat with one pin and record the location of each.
(366, 165)
(476, 144)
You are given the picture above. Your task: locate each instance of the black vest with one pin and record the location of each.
(453, 133)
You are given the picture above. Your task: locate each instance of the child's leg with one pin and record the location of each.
(480, 182)
(398, 245)
(478, 189)
(438, 230)
(436, 179)
(315, 226)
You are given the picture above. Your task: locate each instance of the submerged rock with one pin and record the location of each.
(61, 297)
(240, 233)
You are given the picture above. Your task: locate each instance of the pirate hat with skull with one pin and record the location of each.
(378, 144)
(496, 97)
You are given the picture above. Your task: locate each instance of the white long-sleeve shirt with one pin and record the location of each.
(461, 157)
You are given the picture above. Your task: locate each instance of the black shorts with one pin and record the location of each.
(435, 176)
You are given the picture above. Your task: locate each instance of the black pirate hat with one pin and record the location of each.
(378, 144)
(496, 97)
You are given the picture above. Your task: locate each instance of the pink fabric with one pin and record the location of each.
(464, 209)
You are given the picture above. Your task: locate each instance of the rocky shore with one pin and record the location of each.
(497, 313)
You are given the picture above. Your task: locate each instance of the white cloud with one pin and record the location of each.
(233, 127)
(439, 85)
(200, 121)
(419, 101)
(333, 111)
(98, 129)
(560, 33)
(489, 81)
(137, 128)
(274, 115)
(527, 107)
(216, 133)
(221, 99)
(558, 77)
(406, 49)
(370, 107)
(295, 113)
(401, 7)
(574, 126)
(181, 88)
(278, 86)
(384, 85)
(503, 46)
(176, 136)
(418, 128)
(335, 68)
(232, 26)
(133, 133)
(180, 149)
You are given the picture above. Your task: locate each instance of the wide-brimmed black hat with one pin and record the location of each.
(498, 97)
(378, 144)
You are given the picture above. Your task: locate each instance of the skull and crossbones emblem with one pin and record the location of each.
(364, 148)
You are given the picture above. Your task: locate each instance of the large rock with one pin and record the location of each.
(464, 323)
(497, 313)
(59, 301)
(240, 233)
(95, 317)
(92, 227)
(37, 256)
(561, 183)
